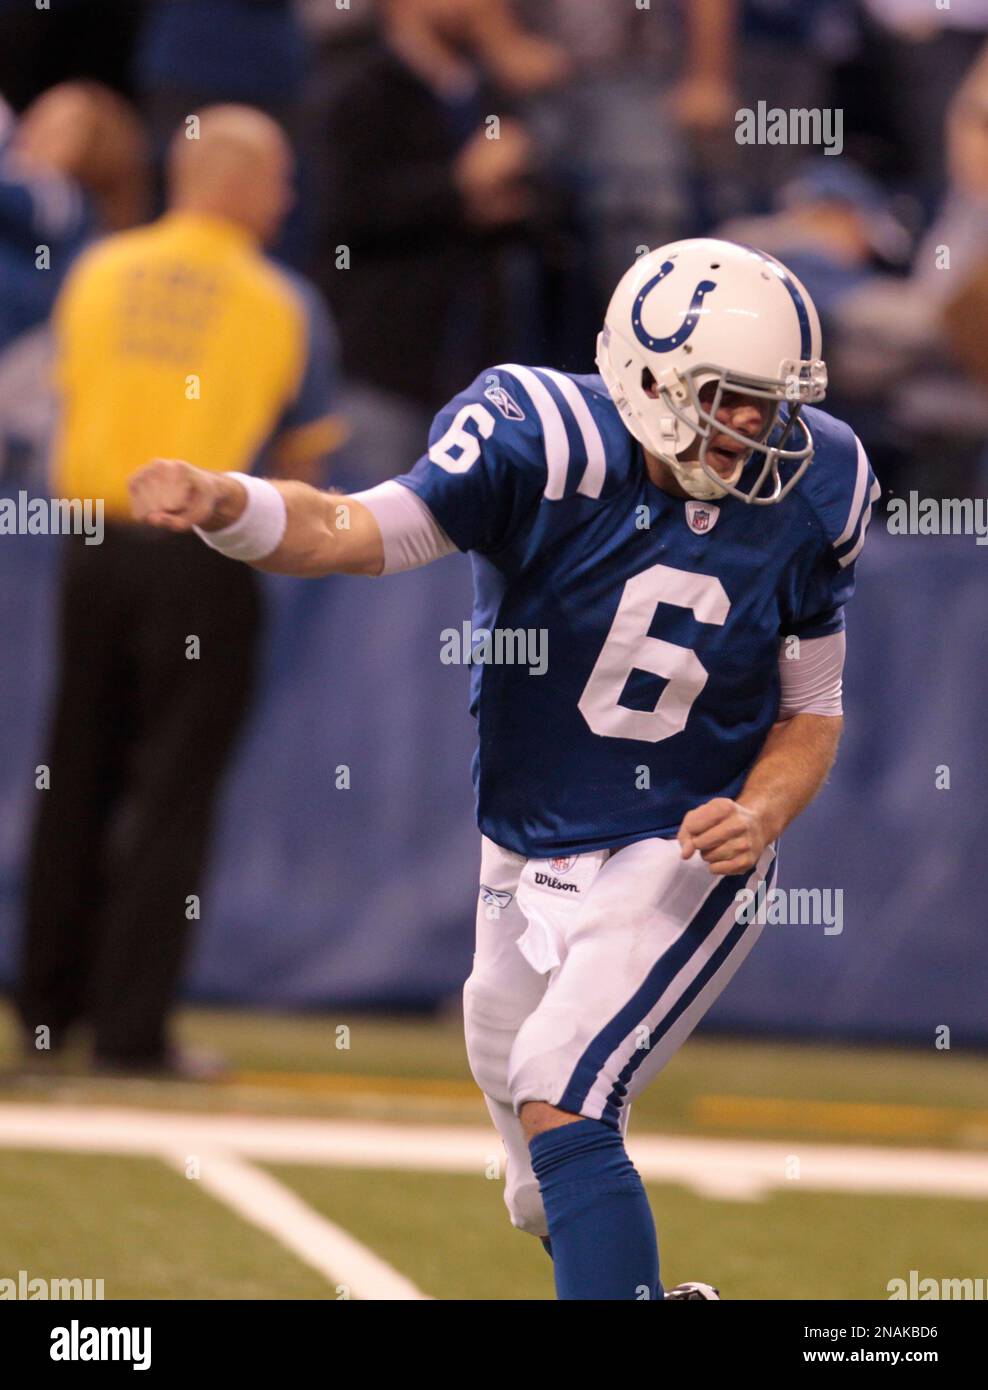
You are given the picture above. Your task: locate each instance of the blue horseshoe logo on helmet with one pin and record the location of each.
(684, 330)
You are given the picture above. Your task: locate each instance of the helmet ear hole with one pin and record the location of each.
(648, 383)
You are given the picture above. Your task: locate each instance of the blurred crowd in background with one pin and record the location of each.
(440, 251)
(444, 185)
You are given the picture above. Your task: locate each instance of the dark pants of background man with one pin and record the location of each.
(140, 737)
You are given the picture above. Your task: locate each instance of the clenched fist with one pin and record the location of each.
(729, 837)
(175, 496)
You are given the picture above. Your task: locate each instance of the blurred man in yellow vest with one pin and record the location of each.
(180, 339)
(175, 339)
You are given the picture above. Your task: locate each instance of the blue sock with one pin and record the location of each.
(600, 1223)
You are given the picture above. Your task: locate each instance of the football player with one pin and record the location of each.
(683, 528)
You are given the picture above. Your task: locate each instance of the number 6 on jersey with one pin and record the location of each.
(628, 647)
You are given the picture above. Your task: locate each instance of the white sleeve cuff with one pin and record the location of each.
(411, 534)
(258, 529)
(812, 683)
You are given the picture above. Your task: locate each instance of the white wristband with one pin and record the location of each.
(258, 529)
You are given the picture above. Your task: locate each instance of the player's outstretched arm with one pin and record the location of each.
(790, 770)
(315, 533)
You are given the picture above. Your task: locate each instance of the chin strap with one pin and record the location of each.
(689, 479)
(669, 433)
(696, 483)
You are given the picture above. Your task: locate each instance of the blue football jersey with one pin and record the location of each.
(663, 617)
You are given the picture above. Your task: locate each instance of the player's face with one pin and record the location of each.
(747, 415)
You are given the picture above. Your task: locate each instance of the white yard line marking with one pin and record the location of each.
(265, 1202)
(729, 1168)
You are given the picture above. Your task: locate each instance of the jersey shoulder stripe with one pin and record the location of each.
(592, 479)
(840, 485)
(867, 490)
(553, 427)
(573, 442)
(516, 438)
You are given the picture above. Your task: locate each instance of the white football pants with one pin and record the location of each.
(590, 971)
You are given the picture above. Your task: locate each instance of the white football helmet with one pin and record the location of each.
(703, 310)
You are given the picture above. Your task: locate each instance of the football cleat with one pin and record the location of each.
(694, 1290)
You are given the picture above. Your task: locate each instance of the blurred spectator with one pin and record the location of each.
(88, 133)
(175, 339)
(338, 41)
(43, 44)
(837, 229)
(965, 319)
(73, 167)
(780, 52)
(193, 53)
(615, 129)
(833, 226)
(518, 60)
(251, 51)
(926, 50)
(964, 316)
(326, 20)
(430, 211)
(890, 344)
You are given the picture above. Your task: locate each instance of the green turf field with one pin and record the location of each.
(148, 1231)
(818, 1246)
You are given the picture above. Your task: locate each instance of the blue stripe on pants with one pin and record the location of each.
(600, 1048)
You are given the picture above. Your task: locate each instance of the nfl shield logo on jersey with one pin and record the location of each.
(562, 864)
(701, 517)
